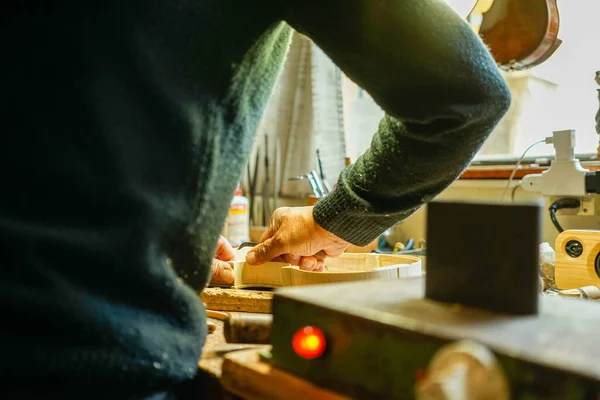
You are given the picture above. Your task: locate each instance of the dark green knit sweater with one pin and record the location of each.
(126, 126)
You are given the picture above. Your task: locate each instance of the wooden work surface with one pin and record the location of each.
(227, 299)
(210, 364)
(245, 375)
(216, 347)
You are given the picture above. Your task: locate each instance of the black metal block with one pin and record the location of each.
(484, 256)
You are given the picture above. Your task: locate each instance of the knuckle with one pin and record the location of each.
(278, 213)
(278, 241)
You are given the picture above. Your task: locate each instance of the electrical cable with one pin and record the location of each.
(512, 193)
(560, 204)
(512, 175)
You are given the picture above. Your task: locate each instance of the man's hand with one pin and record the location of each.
(296, 238)
(222, 272)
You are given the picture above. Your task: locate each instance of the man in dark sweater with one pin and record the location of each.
(126, 128)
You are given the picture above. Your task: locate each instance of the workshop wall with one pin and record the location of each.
(491, 191)
(475, 191)
(304, 113)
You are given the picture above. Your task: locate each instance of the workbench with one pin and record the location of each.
(246, 376)
(241, 374)
(475, 323)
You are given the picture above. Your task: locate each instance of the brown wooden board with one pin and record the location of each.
(254, 301)
(250, 378)
(504, 172)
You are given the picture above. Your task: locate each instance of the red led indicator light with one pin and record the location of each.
(309, 342)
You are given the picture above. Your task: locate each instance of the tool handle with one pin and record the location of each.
(313, 185)
(320, 165)
(250, 328)
(318, 183)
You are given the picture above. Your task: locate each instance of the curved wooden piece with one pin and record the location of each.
(521, 33)
(346, 268)
(267, 275)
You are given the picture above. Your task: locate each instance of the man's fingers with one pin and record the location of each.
(224, 250)
(265, 251)
(292, 259)
(308, 263)
(222, 271)
(320, 266)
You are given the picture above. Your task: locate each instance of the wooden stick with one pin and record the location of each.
(221, 316)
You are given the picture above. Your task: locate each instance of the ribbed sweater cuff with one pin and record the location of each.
(342, 214)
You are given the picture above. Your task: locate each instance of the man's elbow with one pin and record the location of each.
(476, 110)
(472, 109)
(492, 101)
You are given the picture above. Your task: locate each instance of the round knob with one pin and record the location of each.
(463, 370)
(574, 248)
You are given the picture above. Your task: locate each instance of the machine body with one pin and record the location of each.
(388, 340)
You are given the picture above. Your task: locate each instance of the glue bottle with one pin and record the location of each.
(237, 226)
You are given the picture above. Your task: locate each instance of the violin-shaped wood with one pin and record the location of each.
(348, 267)
(520, 34)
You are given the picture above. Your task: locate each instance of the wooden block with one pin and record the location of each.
(573, 272)
(267, 275)
(219, 299)
(244, 374)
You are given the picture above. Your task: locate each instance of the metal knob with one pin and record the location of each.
(463, 370)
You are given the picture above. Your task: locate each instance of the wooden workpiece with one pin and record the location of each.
(348, 267)
(220, 299)
(244, 374)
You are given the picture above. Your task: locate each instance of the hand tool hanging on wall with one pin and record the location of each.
(321, 173)
(598, 113)
(253, 187)
(314, 182)
(266, 214)
(277, 172)
(318, 182)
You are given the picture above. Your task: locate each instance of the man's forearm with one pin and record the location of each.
(440, 89)
(396, 176)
